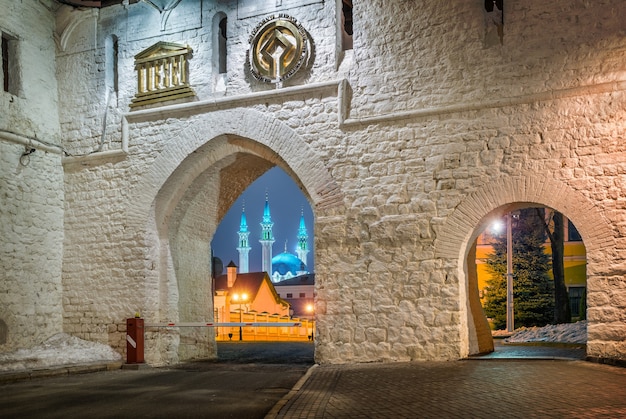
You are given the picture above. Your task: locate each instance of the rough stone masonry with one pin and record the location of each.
(407, 135)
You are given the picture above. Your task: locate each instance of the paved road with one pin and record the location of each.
(247, 381)
(253, 380)
(266, 352)
(476, 389)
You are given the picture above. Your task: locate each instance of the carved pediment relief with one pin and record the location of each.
(162, 74)
(162, 49)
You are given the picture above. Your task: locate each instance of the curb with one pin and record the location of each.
(614, 362)
(24, 375)
(272, 414)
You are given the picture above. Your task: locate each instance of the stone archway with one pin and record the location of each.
(273, 139)
(179, 202)
(471, 217)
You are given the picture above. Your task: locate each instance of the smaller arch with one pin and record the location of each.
(455, 239)
(510, 193)
(68, 20)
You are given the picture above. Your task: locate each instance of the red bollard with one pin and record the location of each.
(134, 341)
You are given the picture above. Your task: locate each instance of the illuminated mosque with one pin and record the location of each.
(283, 266)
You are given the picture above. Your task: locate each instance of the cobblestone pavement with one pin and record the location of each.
(493, 388)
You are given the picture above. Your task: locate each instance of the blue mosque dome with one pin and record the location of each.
(285, 263)
(283, 266)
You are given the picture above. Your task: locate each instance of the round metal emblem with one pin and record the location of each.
(278, 47)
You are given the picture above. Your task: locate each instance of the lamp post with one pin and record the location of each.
(509, 268)
(509, 274)
(240, 299)
(310, 308)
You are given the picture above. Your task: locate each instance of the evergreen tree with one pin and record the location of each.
(533, 290)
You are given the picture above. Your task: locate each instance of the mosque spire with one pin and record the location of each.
(267, 237)
(244, 244)
(303, 248)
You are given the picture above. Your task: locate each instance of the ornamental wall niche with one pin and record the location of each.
(162, 74)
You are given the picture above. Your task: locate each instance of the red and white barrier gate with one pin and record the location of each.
(135, 333)
(134, 341)
(231, 324)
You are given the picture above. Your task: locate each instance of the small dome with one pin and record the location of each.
(286, 262)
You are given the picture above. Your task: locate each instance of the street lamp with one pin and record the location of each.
(240, 299)
(310, 308)
(497, 228)
(509, 274)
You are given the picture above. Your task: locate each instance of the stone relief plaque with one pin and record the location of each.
(162, 74)
(279, 46)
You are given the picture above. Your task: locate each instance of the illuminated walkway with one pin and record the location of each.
(524, 387)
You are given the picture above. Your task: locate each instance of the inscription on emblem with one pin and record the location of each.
(278, 47)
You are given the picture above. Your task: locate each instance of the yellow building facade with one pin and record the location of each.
(574, 261)
(251, 298)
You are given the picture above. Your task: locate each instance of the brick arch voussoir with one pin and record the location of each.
(270, 133)
(503, 193)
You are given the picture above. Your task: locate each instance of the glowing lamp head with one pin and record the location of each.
(239, 298)
(497, 226)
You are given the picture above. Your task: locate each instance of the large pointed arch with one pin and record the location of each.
(180, 200)
(271, 139)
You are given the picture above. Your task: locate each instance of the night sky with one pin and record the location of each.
(286, 204)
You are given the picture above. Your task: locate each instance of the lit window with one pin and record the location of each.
(572, 233)
(577, 299)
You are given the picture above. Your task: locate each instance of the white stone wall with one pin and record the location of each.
(405, 149)
(432, 114)
(31, 187)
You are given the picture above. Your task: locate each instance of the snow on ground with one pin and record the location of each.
(59, 350)
(562, 333)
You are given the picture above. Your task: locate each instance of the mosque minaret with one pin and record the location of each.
(284, 265)
(244, 244)
(267, 238)
(303, 248)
